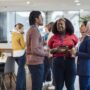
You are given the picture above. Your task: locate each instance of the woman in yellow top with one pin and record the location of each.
(18, 46)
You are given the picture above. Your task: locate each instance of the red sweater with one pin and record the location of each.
(56, 40)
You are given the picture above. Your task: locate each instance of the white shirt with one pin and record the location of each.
(18, 53)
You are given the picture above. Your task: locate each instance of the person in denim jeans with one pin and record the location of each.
(63, 40)
(21, 80)
(18, 46)
(35, 51)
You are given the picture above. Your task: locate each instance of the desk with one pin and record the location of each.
(7, 52)
(6, 48)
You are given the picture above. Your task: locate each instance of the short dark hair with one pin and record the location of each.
(68, 25)
(32, 16)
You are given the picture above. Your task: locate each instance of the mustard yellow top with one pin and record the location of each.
(17, 41)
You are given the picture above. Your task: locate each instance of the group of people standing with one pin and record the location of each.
(61, 50)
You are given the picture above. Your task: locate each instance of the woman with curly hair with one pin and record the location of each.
(63, 40)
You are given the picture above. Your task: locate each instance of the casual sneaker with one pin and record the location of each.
(51, 87)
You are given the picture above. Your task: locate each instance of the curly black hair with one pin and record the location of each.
(68, 25)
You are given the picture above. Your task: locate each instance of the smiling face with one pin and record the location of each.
(61, 25)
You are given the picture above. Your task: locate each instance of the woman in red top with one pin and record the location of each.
(61, 43)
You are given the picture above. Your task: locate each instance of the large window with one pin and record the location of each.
(73, 16)
(3, 27)
(9, 19)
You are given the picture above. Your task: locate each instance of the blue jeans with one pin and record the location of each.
(84, 82)
(37, 72)
(21, 75)
(64, 71)
(47, 69)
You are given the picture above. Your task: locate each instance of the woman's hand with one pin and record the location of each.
(73, 52)
(61, 49)
(48, 51)
(54, 50)
(50, 55)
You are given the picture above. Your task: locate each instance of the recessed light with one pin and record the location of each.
(78, 4)
(76, 1)
(28, 2)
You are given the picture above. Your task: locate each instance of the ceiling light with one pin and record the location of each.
(78, 4)
(28, 2)
(76, 1)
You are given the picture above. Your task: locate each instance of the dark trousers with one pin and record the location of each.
(47, 69)
(21, 75)
(37, 72)
(64, 71)
(84, 82)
